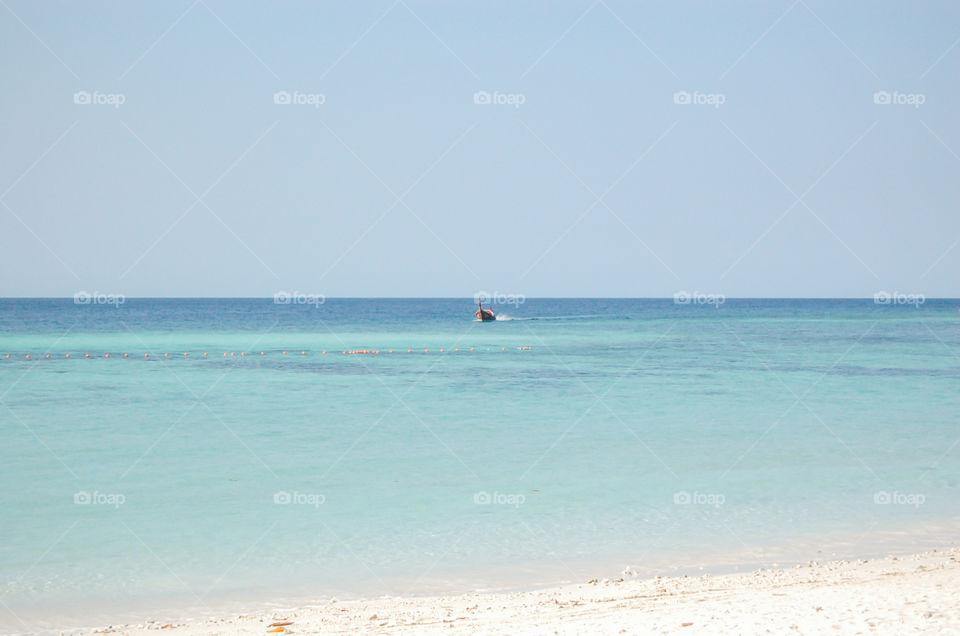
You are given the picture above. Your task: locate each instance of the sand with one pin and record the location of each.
(894, 595)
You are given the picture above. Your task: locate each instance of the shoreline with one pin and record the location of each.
(894, 594)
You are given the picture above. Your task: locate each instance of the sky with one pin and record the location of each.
(548, 149)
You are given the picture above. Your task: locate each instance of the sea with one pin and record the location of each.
(188, 457)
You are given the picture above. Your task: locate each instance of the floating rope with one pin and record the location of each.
(303, 352)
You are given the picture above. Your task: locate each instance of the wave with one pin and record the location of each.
(507, 317)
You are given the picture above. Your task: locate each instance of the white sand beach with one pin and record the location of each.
(892, 595)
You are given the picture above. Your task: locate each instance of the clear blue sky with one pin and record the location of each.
(198, 184)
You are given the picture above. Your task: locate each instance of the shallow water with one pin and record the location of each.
(638, 432)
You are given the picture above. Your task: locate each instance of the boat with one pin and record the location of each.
(484, 315)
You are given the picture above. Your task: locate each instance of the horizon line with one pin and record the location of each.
(128, 297)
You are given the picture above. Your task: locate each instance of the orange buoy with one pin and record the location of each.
(204, 354)
(166, 355)
(68, 355)
(324, 351)
(28, 356)
(86, 355)
(146, 355)
(471, 348)
(232, 353)
(426, 351)
(185, 354)
(243, 353)
(8, 355)
(126, 355)
(503, 348)
(303, 353)
(284, 353)
(105, 356)
(48, 355)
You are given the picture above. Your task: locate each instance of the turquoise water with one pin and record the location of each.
(602, 432)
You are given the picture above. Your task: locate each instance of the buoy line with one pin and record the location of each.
(244, 354)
